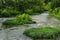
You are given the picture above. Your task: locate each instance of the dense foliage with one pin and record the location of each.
(9, 7)
(8, 13)
(55, 13)
(14, 7)
(20, 20)
(42, 33)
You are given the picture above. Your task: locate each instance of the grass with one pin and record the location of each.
(42, 33)
(20, 20)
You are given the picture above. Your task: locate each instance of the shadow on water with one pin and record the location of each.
(16, 33)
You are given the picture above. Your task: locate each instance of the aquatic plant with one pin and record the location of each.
(42, 33)
(20, 19)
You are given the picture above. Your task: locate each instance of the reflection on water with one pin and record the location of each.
(16, 33)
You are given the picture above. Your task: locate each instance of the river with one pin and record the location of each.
(16, 33)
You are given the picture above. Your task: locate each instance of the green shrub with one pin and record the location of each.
(55, 13)
(24, 17)
(9, 12)
(26, 6)
(20, 19)
(42, 33)
(29, 11)
(48, 6)
(35, 10)
(38, 9)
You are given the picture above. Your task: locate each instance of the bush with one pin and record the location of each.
(24, 17)
(29, 11)
(55, 13)
(42, 33)
(38, 9)
(48, 6)
(27, 6)
(9, 12)
(20, 19)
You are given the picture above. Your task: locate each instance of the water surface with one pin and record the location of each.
(16, 33)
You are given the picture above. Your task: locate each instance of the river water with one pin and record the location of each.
(16, 33)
